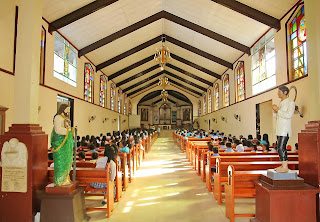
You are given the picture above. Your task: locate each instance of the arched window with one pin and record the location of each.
(88, 82)
(119, 100)
(199, 108)
(297, 45)
(103, 90)
(204, 104)
(240, 84)
(125, 104)
(226, 91)
(216, 96)
(209, 101)
(112, 95)
(130, 108)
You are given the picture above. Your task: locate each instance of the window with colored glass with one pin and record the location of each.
(199, 108)
(240, 83)
(130, 108)
(119, 100)
(226, 91)
(209, 101)
(263, 64)
(125, 104)
(88, 82)
(204, 104)
(112, 95)
(216, 96)
(103, 90)
(65, 61)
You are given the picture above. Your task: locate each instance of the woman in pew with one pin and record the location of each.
(82, 156)
(83, 142)
(109, 157)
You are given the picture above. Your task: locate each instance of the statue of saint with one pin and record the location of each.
(283, 114)
(62, 143)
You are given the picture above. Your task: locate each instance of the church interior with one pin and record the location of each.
(168, 78)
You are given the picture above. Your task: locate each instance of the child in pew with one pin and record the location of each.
(83, 142)
(82, 156)
(253, 147)
(229, 148)
(259, 147)
(92, 148)
(125, 148)
(239, 146)
(109, 156)
(94, 157)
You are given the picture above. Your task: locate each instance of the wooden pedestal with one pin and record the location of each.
(16, 206)
(59, 207)
(285, 205)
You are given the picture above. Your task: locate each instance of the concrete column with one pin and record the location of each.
(28, 62)
(313, 43)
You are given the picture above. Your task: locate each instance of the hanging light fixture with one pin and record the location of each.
(164, 95)
(163, 82)
(162, 56)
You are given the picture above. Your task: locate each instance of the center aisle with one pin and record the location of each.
(166, 188)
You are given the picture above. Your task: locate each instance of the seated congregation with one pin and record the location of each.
(230, 165)
(105, 164)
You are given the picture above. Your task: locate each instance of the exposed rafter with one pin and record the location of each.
(121, 33)
(185, 87)
(177, 96)
(129, 52)
(79, 14)
(150, 96)
(250, 12)
(157, 101)
(207, 32)
(127, 69)
(200, 68)
(184, 80)
(137, 75)
(143, 81)
(199, 52)
(142, 88)
(189, 74)
(170, 17)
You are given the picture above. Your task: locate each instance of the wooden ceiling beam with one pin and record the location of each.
(127, 69)
(129, 52)
(143, 81)
(189, 74)
(179, 97)
(142, 88)
(79, 14)
(193, 65)
(184, 80)
(207, 32)
(137, 75)
(120, 33)
(200, 52)
(150, 96)
(250, 12)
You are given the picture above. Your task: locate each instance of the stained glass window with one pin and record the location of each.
(199, 108)
(204, 104)
(240, 84)
(125, 104)
(42, 54)
(112, 95)
(263, 63)
(65, 61)
(226, 91)
(298, 45)
(130, 108)
(119, 100)
(103, 90)
(216, 96)
(209, 101)
(88, 82)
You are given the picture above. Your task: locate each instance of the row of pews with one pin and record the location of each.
(235, 174)
(87, 173)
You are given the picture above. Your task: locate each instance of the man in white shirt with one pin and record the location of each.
(283, 114)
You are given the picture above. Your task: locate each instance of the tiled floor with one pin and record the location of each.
(165, 188)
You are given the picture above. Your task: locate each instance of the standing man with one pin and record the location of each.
(283, 114)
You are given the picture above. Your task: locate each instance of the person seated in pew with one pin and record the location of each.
(239, 146)
(78, 142)
(229, 148)
(109, 157)
(92, 148)
(265, 148)
(83, 141)
(87, 139)
(98, 141)
(250, 137)
(94, 157)
(296, 146)
(82, 156)
(125, 148)
(265, 139)
(189, 134)
(259, 147)
(108, 136)
(223, 146)
(253, 147)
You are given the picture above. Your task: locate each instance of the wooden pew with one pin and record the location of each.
(221, 171)
(124, 170)
(94, 175)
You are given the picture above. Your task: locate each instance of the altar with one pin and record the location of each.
(165, 126)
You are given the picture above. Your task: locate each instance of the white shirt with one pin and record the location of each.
(113, 168)
(102, 162)
(240, 148)
(284, 116)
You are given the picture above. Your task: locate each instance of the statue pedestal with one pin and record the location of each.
(22, 206)
(51, 189)
(280, 204)
(63, 207)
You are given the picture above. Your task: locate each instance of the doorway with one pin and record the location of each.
(265, 119)
(69, 102)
